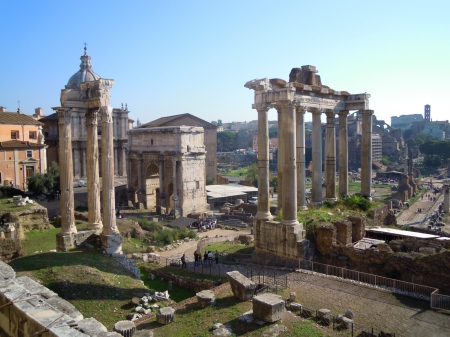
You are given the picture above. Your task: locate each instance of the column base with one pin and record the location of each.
(331, 199)
(263, 216)
(290, 222)
(302, 208)
(368, 197)
(112, 244)
(64, 242)
(97, 227)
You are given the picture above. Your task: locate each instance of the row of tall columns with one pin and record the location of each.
(291, 159)
(301, 169)
(80, 161)
(93, 186)
(93, 178)
(366, 155)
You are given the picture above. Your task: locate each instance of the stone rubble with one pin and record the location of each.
(128, 264)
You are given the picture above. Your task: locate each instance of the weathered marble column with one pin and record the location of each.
(446, 206)
(263, 166)
(175, 198)
(162, 190)
(83, 163)
(280, 159)
(93, 177)
(77, 163)
(124, 161)
(343, 153)
(366, 153)
(330, 159)
(108, 195)
(66, 172)
(289, 214)
(116, 162)
(141, 181)
(301, 176)
(316, 197)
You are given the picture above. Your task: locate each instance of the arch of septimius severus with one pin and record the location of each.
(93, 98)
(282, 241)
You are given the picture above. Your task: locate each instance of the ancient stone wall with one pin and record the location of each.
(344, 232)
(379, 216)
(33, 219)
(10, 249)
(189, 283)
(43, 310)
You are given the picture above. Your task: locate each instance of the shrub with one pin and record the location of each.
(165, 236)
(357, 202)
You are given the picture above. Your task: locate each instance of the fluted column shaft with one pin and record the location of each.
(330, 159)
(263, 166)
(66, 172)
(175, 197)
(289, 166)
(280, 160)
(316, 197)
(93, 177)
(366, 154)
(108, 195)
(300, 141)
(343, 153)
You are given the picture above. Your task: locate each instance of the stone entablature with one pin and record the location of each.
(167, 169)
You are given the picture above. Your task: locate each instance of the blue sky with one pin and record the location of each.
(172, 57)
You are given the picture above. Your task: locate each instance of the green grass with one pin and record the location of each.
(305, 329)
(177, 293)
(6, 207)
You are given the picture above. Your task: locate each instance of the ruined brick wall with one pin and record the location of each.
(10, 249)
(325, 239)
(377, 217)
(358, 227)
(33, 219)
(344, 232)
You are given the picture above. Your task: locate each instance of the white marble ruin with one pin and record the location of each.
(303, 93)
(89, 94)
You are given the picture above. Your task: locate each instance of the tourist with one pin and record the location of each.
(210, 257)
(216, 255)
(183, 261)
(196, 258)
(205, 258)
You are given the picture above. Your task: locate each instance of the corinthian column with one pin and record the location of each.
(330, 152)
(108, 196)
(263, 166)
(289, 215)
(343, 153)
(366, 153)
(300, 127)
(93, 178)
(66, 172)
(175, 198)
(316, 197)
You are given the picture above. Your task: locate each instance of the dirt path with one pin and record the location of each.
(189, 247)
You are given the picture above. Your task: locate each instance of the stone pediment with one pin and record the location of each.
(29, 161)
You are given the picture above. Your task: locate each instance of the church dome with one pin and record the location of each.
(84, 74)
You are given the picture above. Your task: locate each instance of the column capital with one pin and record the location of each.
(329, 113)
(285, 103)
(366, 112)
(106, 114)
(64, 116)
(315, 111)
(92, 116)
(262, 107)
(300, 109)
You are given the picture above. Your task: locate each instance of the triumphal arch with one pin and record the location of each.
(284, 242)
(166, 169)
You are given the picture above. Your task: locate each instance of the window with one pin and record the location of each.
(197, 184)
(29, 153)
(14, 134)
(33, 135)
(151, 141)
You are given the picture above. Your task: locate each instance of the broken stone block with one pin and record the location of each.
(242, 287)
(206, 298)
(125, 328)
(274, 331)
(292, 296)
(295, 307)
(222, 332)
(324, 316)
(143, 333)
(306, 312)
(165, 315)
(346, 323)
(349, 314)
(268, 307)
(91, 326)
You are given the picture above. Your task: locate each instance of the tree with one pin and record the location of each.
(47, 183)
(385, 160)
(274, 183)
(428, 147)
(408, 133)
(411, 142)
(252, 174)
(273, 133)
(225, 141)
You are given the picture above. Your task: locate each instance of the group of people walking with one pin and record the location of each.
(207, 259)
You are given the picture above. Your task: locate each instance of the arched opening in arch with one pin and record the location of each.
(152, 186)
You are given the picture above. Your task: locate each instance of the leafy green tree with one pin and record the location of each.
(428, 147)
(273, 133)
(408, 133)
(225, 141)
(252, 174)
(274, 183)
(386, 160)
(45, 183)
(411, 142)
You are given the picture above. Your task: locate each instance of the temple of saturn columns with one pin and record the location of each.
(92, 97)
(284, 242)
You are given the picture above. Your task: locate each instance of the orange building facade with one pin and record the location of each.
(22, 148)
